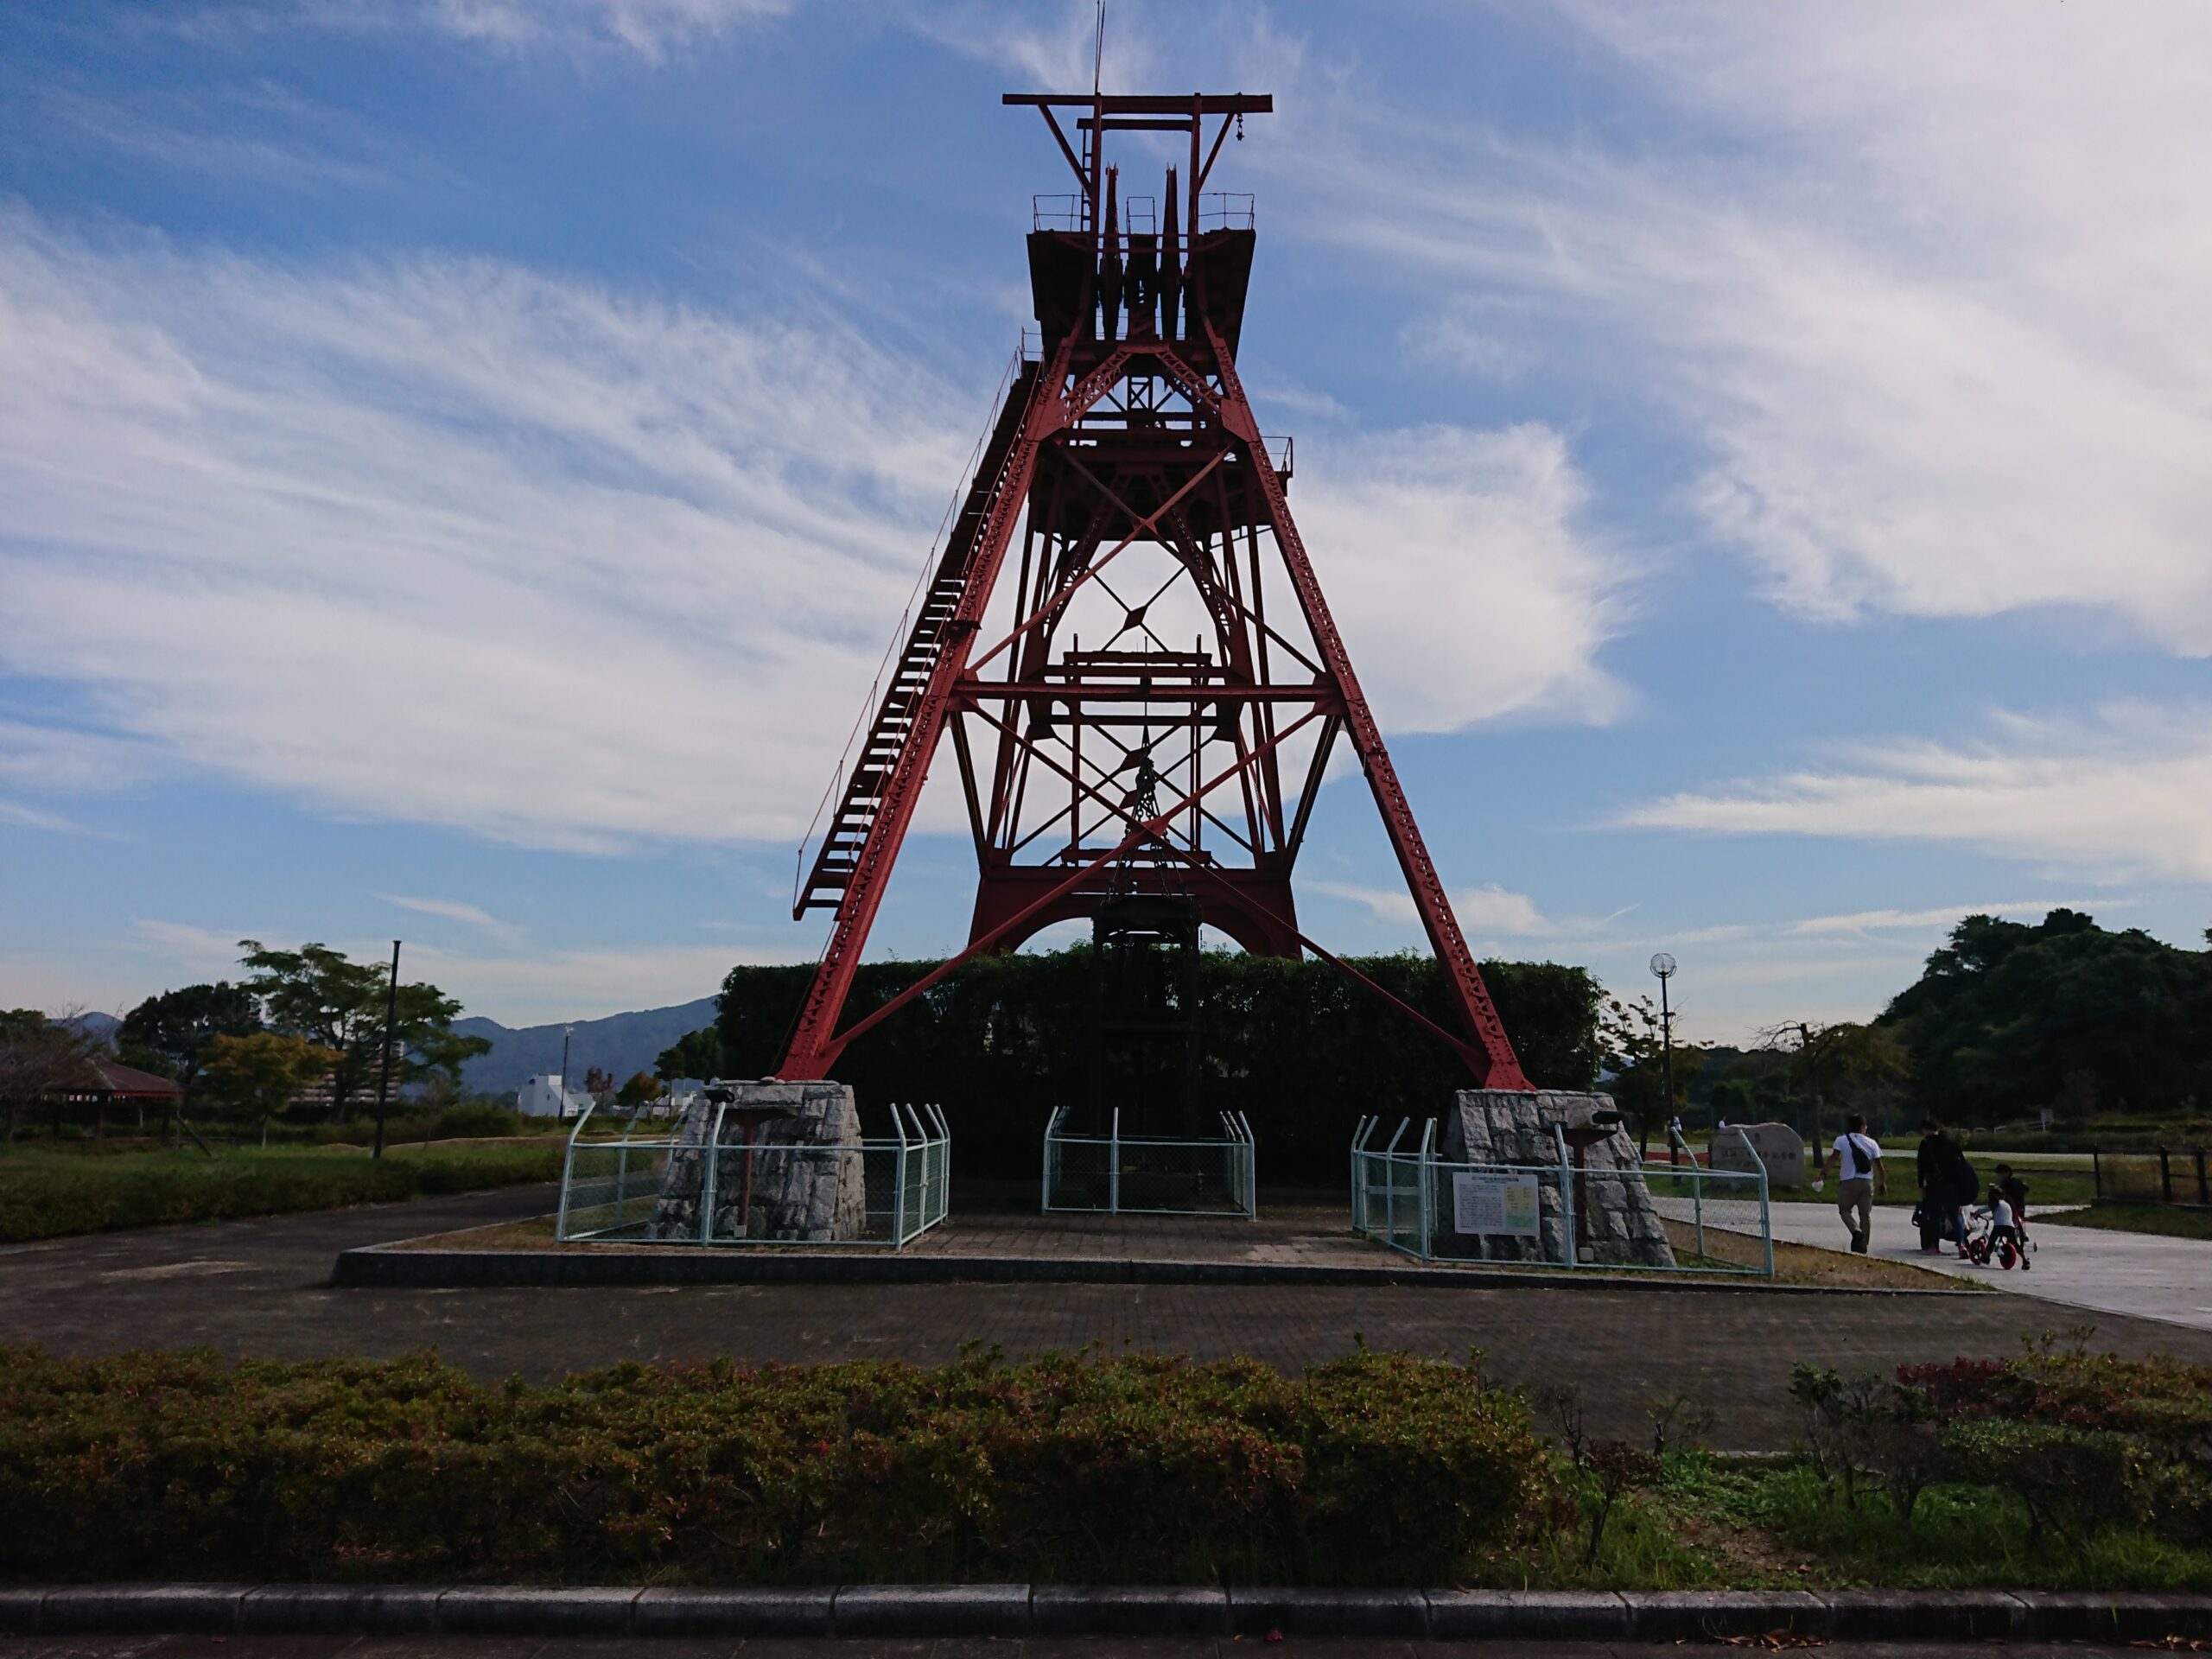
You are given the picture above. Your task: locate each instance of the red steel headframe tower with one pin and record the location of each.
(1151, 707)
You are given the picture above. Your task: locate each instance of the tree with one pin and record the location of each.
(170, 1035)
(599, 1083)
(1838, 1064)
(258, 1075)
(2009, 1018)
(699, 1055)
(41, 1059)
(1634, 1042)
(642, 1087)
(318, 994)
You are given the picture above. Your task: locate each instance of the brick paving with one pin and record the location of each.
(260, 1288)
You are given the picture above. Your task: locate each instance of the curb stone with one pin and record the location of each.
(674, 1611)
(1924, 1616)
(1928, 1615)
(334, 1609)
(1259, 1610)
(142, 1609)
(929, 1610)
(1528, 1615)
(1705, 1615)
(397, 1267)
(543, 1610)
(1128, 1610)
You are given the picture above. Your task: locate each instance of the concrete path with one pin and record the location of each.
(2137, 1274)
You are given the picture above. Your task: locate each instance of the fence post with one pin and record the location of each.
(2203, 1186)
(1113, 1165)
(2165, 1178)
(1566, 1201)
(1697, 1205)
(1358, 1192)
(709, 1175)
(1766, 1218)
(2096, 1174)
(1427, 1182)
(899, 1203)
(1045, 1177)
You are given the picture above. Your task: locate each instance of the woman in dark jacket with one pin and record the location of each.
(1942, 1213)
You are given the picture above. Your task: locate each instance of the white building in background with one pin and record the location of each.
(545, 1098)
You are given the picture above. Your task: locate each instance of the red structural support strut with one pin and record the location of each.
(1143, 663)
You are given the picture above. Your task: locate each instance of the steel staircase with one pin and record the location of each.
(838, 859)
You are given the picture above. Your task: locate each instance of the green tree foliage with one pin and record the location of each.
(642, 1087)
(170, 1035)
(699, 1055)
(40, 1058)
(1636, 1062)
(2009, 1018)
(257, 1076)
(318, 994)
(1297, 1047)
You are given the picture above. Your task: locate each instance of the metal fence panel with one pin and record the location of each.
(612, 1190)
(1114, 1173)
(1555, 1215)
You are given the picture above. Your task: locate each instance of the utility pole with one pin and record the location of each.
(384, 1071)
(561, 1106)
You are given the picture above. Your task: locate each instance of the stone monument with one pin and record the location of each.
(1616, 1220)
(765, 1188)
(1746, 1146)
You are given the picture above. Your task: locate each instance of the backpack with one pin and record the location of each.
(1968, 1185)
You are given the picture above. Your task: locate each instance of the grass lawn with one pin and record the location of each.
(2172, 1221)
(46, 1193)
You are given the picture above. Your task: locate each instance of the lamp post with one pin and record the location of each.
(1662, 969)
(384, 1071)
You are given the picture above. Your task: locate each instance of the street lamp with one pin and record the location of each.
(1662, 969)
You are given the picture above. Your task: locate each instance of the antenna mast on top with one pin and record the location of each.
(1098, 51)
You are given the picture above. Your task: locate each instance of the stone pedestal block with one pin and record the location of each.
(1746, 1147)
(810, 1197)
(1618, 1222)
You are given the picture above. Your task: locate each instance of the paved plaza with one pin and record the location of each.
(261, 1288)
(2100, 1272)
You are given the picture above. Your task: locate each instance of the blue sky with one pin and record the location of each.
(459, 463)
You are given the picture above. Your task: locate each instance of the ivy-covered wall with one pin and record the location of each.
(1302, 1050)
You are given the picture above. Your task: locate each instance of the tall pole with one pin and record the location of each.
(384, 1071)
(561, 1106)
(1662, 969)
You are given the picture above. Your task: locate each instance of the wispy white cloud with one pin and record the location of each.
(1484, 911)
(449, 542)
(453, 910)
(33, 818)
(454, 542)
(1461, 573)
(70, 760)
(653, 29)
(2110, 798)
(1917, 291)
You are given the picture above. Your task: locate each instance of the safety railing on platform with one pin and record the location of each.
(664, 1188)
(1152, 1175)
(1225, 210)
(1560, 1213)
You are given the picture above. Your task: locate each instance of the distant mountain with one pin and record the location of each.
(102, 1026)
(620, 1044)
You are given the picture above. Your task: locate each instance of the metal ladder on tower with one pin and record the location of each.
(838, 860)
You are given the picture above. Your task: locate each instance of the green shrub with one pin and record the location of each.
(45, 1195)
(1378, 1468)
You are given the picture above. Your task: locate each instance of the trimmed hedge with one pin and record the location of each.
(1297, 1047)
(1377, 1468)
(47, 1195)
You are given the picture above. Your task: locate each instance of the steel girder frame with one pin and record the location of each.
(1253, 905)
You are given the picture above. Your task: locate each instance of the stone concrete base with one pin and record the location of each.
(1620, 1226)
(802, 1197)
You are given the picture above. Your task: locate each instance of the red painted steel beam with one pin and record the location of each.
(1495, 1065)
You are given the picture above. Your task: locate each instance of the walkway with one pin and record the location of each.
(2139, 1274)
(260, 1288)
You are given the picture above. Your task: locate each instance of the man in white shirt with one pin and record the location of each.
(1858, 1167)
